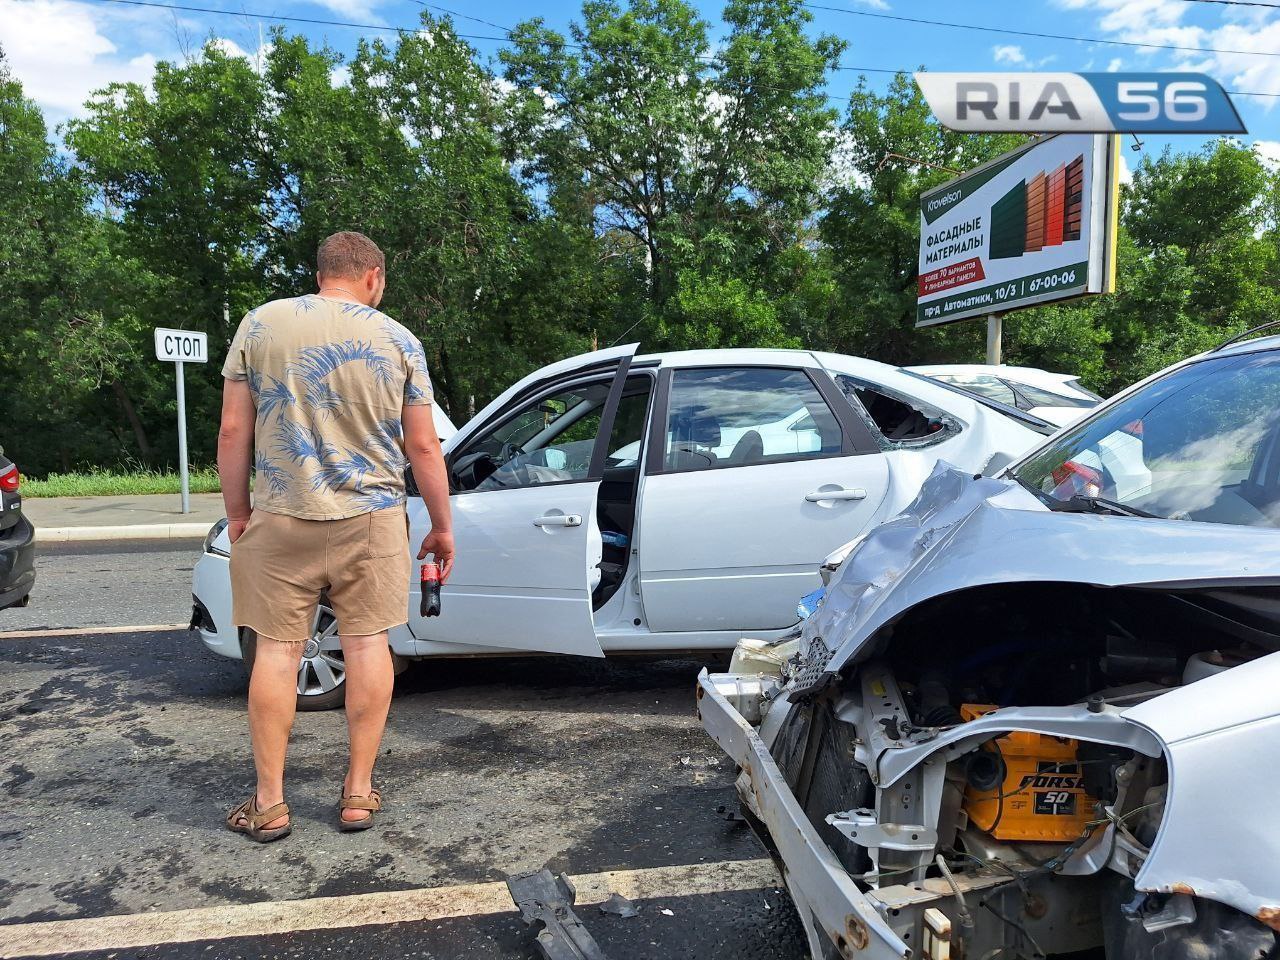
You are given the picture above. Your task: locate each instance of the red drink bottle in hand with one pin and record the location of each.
(430, 590)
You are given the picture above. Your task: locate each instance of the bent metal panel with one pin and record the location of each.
(1032, 226)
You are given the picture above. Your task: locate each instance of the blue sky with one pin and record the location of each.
(62, 49)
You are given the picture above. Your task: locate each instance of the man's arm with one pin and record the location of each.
(422, 447)
(235, 453)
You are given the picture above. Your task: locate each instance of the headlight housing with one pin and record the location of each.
(836, 557)
(212, 535)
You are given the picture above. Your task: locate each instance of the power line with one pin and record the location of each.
(577, 46)
(1032, 33)
(1238, 3)
(463, 16)
(274, 18)
(315, 21)
(839, 66)
(721, 60)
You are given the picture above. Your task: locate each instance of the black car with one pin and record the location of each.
(17, 541)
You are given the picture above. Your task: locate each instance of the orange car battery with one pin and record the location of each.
(1025, 786)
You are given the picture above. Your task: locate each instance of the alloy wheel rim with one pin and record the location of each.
(322, 668)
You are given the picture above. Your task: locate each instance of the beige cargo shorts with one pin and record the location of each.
(281, 564)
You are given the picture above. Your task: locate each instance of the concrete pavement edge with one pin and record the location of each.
(137, 531)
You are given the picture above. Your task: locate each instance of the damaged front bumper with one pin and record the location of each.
(850, 918)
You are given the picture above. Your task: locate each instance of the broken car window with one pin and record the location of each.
(894, 419)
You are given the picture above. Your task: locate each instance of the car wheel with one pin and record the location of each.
(322, 673)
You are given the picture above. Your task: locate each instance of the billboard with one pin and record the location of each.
(1034, 225)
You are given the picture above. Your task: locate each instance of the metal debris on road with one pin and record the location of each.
(546, 905)
(731, 812)
(620, 906)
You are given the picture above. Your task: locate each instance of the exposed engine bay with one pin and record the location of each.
(973, 775)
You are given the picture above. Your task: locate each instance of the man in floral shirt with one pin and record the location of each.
(329, 399)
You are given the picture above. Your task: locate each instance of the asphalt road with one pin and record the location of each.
(124, 750)
(108, 585)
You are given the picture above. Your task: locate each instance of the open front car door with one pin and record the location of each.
(525, 483)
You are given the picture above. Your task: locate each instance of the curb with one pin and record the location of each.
(137, 531)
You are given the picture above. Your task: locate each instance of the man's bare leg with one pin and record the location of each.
(273, 699)
(370, 677)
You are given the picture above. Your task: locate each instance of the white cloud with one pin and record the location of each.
(1239, 71)
(58, 50)
(361, 10)
(1008, 53)
(1115, 65)
(232, 49)
(1120, 16)
(1268, 152)
(1013, 54)
(1235, 36)
(1126, 172)
(873, 4)
(228, 47)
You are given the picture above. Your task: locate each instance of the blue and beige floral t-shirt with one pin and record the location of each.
(329, 379)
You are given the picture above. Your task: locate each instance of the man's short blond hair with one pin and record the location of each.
(349, 254)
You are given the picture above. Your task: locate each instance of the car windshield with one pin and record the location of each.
(1047, 398)
(1200, 443)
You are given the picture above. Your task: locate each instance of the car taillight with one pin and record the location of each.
(1075, 479)
(9, 479)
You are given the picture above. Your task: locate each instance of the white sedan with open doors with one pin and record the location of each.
(681, 501)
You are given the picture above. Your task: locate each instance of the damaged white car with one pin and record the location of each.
(1036, 714)
(611, 503)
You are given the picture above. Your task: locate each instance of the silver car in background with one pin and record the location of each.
(1036, 713)
(1059, 398)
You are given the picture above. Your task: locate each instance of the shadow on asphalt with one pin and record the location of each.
(135, 745)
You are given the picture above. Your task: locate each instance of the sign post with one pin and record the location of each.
(179, 347)
(1033, 226)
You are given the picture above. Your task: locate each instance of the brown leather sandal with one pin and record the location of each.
(254, 819)
(372, 803)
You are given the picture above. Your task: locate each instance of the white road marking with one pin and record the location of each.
(89, 631)
(362, 909)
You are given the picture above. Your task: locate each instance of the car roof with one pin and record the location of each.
(840, 362)
(1245, 346)
(995, 370)
(700, 358)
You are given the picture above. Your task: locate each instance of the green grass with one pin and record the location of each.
(118, 483)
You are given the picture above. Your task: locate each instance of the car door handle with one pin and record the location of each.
(559, 520)
(857, 493)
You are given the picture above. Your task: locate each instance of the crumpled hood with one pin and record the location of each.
(964, 532)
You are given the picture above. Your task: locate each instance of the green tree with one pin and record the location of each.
(64, 307)
(709, 161)
(179, 178)
(410, 151)
(1197, 261)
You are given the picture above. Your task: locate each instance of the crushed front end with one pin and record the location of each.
(984, 746)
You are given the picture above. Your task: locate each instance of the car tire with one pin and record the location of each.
(321, 673)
